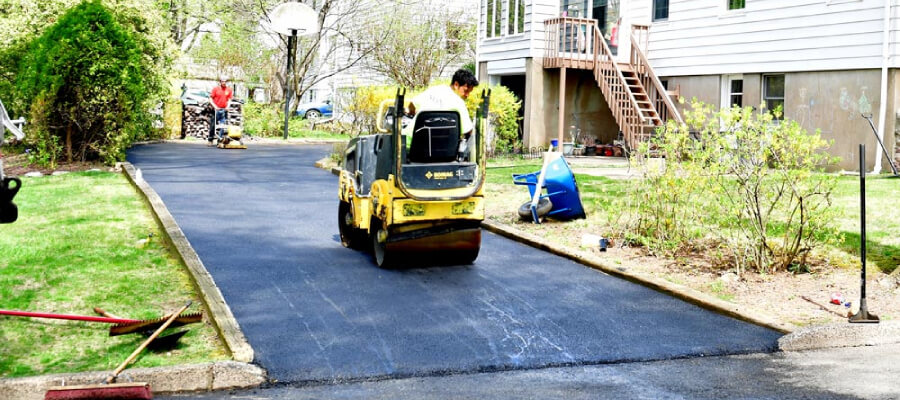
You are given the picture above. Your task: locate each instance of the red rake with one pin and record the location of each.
(123, 325)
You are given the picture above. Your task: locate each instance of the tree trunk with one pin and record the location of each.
(69, 142)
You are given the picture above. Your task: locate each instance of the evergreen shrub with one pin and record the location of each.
(89, 81)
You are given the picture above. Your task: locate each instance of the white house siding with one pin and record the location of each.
(895, 34)
(497, 52)
(540, 12)
(701, 37)
(830, 52)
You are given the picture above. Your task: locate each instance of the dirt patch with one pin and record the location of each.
(17, 165)
(781, 296)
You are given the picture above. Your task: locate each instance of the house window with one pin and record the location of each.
(516, 17)
(736, 94)
(773, 92)
(660, 10)
(493, 18)
(574, 8)
(735, 4)
(520, 17)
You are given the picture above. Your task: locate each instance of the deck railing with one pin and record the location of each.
(569, 43)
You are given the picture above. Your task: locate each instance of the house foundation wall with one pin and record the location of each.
(584, 107)
(829, 101)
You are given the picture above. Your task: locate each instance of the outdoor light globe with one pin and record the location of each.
(293, 16)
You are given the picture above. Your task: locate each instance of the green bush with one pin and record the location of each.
(503, 117)
(90, 81)
(361, 108)
(735, 178)
(267, 120)
(172, 115)
(263, 120)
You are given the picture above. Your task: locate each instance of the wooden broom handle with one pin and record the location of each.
(144, 345)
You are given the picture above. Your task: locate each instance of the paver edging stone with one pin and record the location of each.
(795, 339)
(220, 375)
(841, 335)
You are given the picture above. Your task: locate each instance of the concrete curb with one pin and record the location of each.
(198, 377)
(219, 312)
(841, 335)
(682, 292)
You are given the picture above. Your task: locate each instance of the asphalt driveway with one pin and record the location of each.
(263, 221)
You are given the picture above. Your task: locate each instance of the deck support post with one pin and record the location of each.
(562, 108)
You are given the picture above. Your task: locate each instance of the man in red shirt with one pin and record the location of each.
(220, 97)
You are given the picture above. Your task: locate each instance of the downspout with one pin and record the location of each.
(885, 58)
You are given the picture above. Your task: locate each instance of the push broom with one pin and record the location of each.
(122, 325)
(109, 389)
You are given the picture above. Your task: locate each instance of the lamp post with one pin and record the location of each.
(290, 19)
(289, 79)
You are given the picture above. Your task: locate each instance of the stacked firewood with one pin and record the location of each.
(197, 118)
(235, 114)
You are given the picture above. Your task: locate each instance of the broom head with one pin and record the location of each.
(112, 391)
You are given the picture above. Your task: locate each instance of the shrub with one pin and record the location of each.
(740, 179)
(90, 81)
(503, 135)
(267, 120)
(263, 120)
(361, 109)
(172, 114)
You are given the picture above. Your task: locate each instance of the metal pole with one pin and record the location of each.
(863, 315)
(862, 219)
(288, 81)
(881, 143)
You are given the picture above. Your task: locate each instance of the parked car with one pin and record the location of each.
(315, 110)
(195, 97)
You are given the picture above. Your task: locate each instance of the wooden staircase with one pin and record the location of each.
(635, 95)
(647, 112)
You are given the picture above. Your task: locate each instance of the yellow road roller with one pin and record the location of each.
(417, 198)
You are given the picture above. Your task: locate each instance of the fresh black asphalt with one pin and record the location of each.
(264, 222)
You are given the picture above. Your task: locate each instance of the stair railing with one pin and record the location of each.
(654, 87)
(615, 89)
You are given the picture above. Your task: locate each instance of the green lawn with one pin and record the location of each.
(882, 214)
(316, 134)
(78, 245)
(882, 219)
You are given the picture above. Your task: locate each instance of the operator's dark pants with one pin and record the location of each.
(219, 118)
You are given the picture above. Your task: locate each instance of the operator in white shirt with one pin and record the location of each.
(449, 98)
